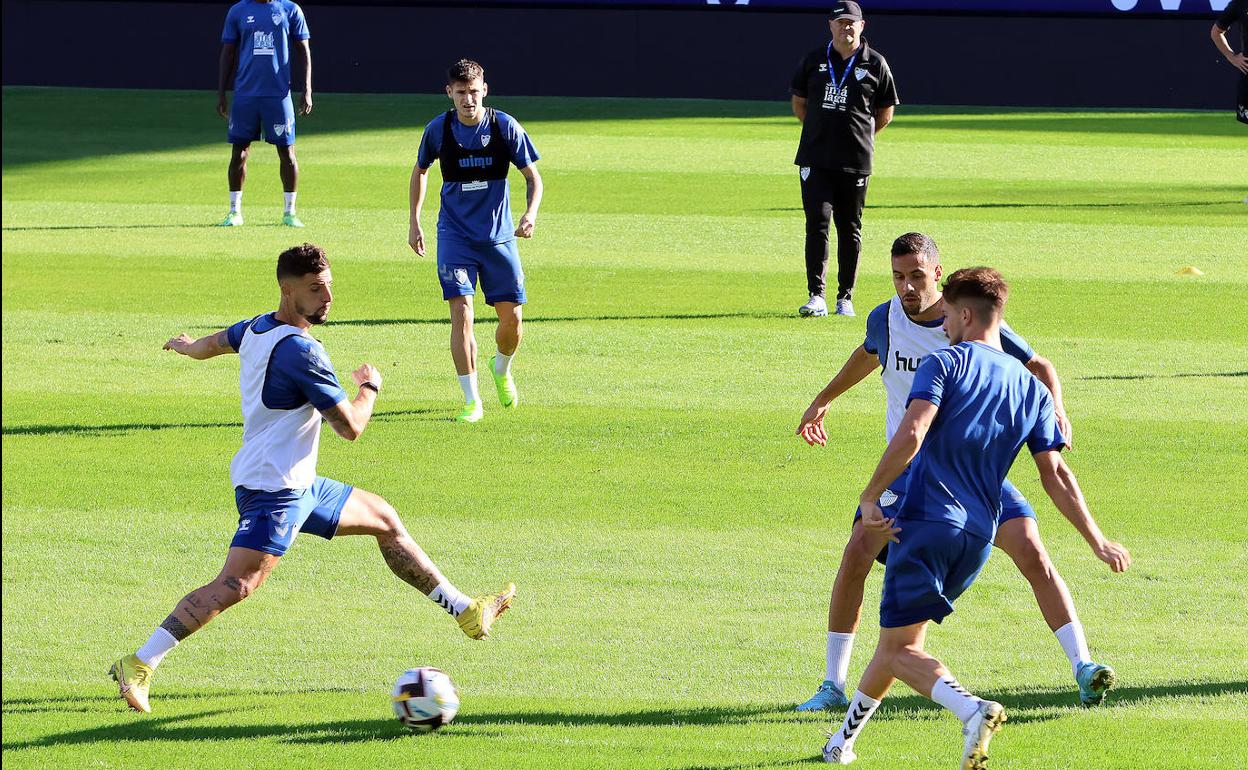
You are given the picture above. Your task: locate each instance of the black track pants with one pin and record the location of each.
(833, 197)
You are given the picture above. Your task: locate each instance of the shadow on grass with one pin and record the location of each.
(1021, 708)
(1175, 376)
(129, 427)
(537, 319)
(37, 228)
(1009, 205)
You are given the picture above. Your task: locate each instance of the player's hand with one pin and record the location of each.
(416, 238)
(811, 427)
(223, 109)
(305, 103)
(1114, 554)
(873, 520)
(1063, 424)
(524, 228)
(367, 373)
(1239, 61)
(179, 344)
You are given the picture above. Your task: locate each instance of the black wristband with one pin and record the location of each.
(370, 386)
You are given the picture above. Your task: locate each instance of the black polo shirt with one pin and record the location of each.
(839, 129)
(1236, 11)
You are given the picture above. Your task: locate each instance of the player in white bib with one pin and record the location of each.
(288, 385)
(900, 332)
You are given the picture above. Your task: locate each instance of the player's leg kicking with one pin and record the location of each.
(268, 523)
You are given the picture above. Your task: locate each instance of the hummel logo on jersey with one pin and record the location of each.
(251, 19)
(862, 182)
(904, 364)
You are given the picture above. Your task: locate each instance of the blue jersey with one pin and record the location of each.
(299, 370)
(479, 212)
(989, 405)
(262, 32)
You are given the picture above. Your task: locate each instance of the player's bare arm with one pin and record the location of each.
(533, 199)
(900, 451)
(350, 418)
(305, 101)
(204, 347)
(1044, 370)
(1063, 489)
(883, 117)
(1238, 60)
(799, 108)
(417, 188)
(225, 76)
(859, 364)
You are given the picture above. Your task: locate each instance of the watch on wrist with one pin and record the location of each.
(371, 386)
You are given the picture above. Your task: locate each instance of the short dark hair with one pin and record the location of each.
(464, 71)
(981, 287)
(916, 243)
(300, 260)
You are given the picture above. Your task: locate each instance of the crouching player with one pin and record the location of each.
(287, 386)
(971, 409)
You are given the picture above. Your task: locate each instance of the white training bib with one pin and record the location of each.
(908, 342)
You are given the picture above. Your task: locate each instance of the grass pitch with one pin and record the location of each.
(673, 542)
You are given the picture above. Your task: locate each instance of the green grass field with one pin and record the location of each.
(673, 541)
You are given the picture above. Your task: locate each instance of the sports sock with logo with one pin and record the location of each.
(468, 382)
(236, 201)
(159, 645)
(450, 598)
(839, 647)
(502, 363)
(290, 202)
(1074, 644)
(953, 696)
(860, 710)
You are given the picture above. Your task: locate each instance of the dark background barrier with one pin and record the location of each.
(723, 52)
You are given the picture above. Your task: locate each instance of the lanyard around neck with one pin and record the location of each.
(839, 84)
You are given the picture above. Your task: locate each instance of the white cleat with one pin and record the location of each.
(815, 307)
(838, 755)
(978, 732)
(845, 307)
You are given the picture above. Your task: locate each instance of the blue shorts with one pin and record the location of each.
(932, 566)
(497, 264)
(1013, 505)
(269, 521)
(269, 116)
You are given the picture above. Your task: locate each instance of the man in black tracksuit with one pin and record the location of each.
(843, 93)
(1236, 12)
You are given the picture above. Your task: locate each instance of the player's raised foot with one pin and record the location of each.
(476, 620)
(815, 307)
(471, 412)
(290, 220)
(506, 386)
(232, 219)
(978, 732)
(1094, 681)
(845, 307)
(826, 698)
(836, 754)
(133, 678)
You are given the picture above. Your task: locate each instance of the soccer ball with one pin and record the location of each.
(424, 699)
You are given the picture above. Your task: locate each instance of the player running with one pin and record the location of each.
(476, 146)
(901, 333)
(970, 410)
(287, 386)
(255, 56)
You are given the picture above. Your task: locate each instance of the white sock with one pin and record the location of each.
(502, 363)
(450, 598)
(236, 201)
(953, 696)
(1074, 644)
(469, 384)
(290, 202)
(860, 710)
(839, 647)
(157, 647)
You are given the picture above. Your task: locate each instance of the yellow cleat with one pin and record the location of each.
(476, 619)
(133, 676)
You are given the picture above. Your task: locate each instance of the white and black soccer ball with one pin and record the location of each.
(424, 699)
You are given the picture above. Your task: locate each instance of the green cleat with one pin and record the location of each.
(471, 412)
(232, 219)
(506, 386)
(290, 220)
(1094, 681)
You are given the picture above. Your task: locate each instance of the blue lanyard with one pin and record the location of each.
(838, 85)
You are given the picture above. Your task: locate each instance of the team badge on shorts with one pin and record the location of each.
(461, 276)
(888, 498)
(279, 129)
(804, 172)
